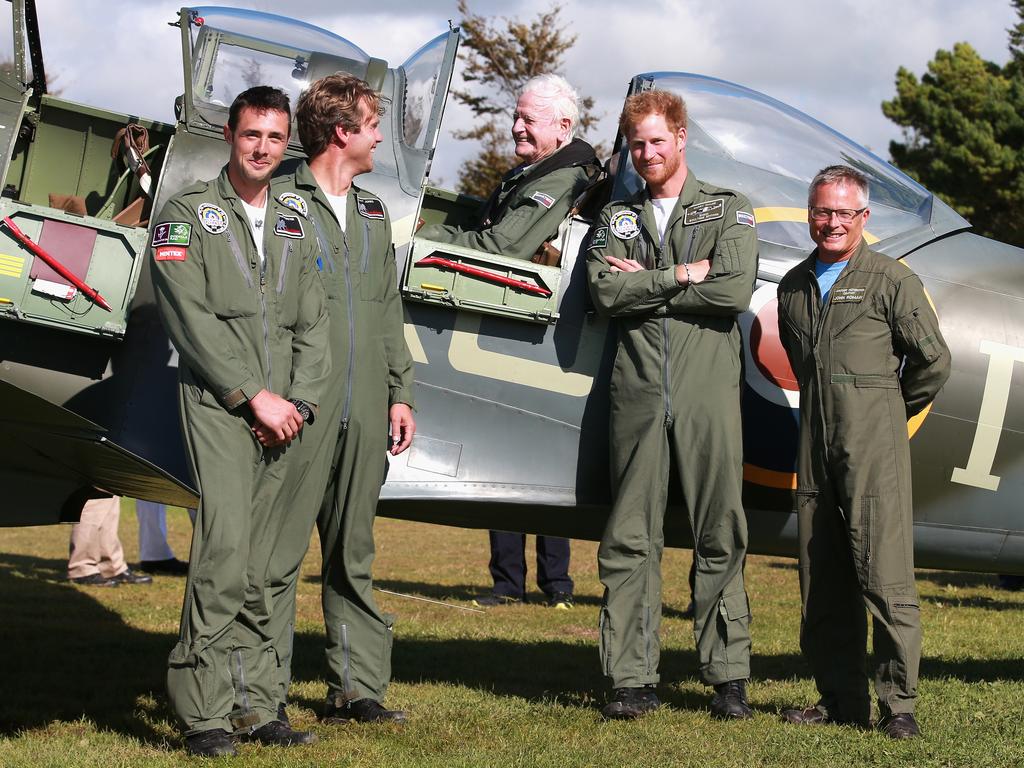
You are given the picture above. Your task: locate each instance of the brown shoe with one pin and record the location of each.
(900, 726)
(818, 715)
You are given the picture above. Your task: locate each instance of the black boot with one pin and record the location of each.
(730, 701)
(278, 734)
(631, 703)
(361, 711)
(215, 743)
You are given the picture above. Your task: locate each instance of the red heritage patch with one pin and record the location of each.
(170, 253)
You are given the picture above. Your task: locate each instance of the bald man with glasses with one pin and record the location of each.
(865, 345)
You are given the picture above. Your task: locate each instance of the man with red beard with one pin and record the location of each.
(674, 265)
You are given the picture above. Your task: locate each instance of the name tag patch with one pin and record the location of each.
(170, 253)
(289, 226)
(847, 295)
(172, 233)
(546, 200)
(213, 218)
(742, 217)
(599, 239)
(625, 225)
(294, 201)
(371, 209)
(698, 212)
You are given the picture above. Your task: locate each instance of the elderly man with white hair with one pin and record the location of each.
(520, 218)
(524, 212)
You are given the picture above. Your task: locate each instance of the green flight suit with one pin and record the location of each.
(344, 469)
(239, 327)
(526, 210)
(675, 391)
(854, 506)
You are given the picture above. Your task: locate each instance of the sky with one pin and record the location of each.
(836, 61)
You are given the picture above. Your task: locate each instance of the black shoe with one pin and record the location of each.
(493, 600)
(561, 600)
(172, 566)
(730, 701)
(278, 734)
(361, 711)
(215, 743)
(901, 726)
(631, 703)
(128, 576)
(95, 580)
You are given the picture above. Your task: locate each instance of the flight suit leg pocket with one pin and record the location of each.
(883, 550)
(606, 640)
(191, 683)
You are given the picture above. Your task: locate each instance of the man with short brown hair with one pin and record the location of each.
(369, 396)
(674, 266)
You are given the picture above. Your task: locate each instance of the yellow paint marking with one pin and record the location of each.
(465, 355)
(798, 215)
(769, 477)
(412, 340)
(11, 266)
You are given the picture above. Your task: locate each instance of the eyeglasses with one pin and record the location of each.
(845, 215)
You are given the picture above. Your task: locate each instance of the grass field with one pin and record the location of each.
(82, 672)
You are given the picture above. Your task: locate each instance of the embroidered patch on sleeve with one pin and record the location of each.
(599, 239)
(172, 233)
(743, 217)
(370, 208)
(546, 200)
(289, 226)
(170, 253)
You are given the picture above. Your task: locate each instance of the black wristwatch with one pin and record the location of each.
(304, 410)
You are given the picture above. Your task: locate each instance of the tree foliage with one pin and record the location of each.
(963, 133)
(498, 59)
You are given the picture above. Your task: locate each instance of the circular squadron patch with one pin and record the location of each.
(625, 225)
(295, 202)
(212, 218)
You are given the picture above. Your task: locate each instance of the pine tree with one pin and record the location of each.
(498, 60)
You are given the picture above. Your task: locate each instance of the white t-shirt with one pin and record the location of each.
(257, 218)
(339, 203)
(663, 207)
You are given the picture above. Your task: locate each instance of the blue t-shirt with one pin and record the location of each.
(827, 274)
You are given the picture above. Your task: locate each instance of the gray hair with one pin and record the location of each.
(565, 101)
(839, 174)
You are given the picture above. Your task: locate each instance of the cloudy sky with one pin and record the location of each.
(836, 61)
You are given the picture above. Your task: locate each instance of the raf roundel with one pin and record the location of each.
(212, 218)
(625, 225)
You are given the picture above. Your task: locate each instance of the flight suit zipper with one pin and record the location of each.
(816, 312)
(665, 389)
(266, 321)
(351, 338)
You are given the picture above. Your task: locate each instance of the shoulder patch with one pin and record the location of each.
(170, 253)
(706, 211)
(599, 239)
(625, 225)
(370, 208)
(289, 226)
(546, 200)
(172, 233)
(743, 217)
(212, 218)
(294, 201)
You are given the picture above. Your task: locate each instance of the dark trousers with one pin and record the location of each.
(508, 564)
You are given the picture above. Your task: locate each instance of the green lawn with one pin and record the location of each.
(83, 670)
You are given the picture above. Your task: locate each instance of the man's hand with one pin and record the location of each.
(624, 265)
(693, 273)
(277, 421)
(403, 427)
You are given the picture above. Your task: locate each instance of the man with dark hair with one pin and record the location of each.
(234, 275)
(370, 391)
(675, 266)
(885, 360)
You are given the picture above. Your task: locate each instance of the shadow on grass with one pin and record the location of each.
(66, 656)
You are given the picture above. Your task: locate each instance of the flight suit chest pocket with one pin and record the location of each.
(286, 284)
(860, 333)
(230, 280)
(368, 261)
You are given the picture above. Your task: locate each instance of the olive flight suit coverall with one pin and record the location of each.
(528, 207)
(675, 392)
(239, 327)
(522, 214)
(853, 497)
(344, 469)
